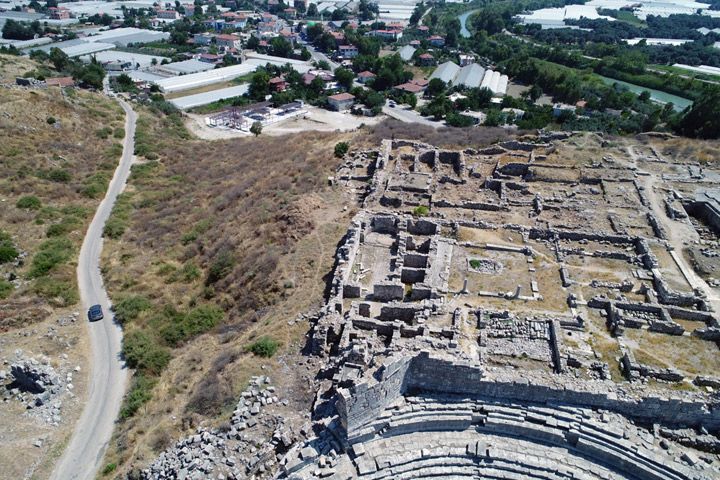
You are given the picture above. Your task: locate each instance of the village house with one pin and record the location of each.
(227, 41)
(426, 60)
(437, 41)
(59, 13)
(348, 51)
(341, 101)
(365, 77)
(167, 14)
(277, 84)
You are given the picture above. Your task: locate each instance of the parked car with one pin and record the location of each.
(95, 313)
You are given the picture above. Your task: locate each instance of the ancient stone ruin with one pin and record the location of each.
(518, 311)
(478, 324)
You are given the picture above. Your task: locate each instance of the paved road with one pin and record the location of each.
(108, 379)
(319, 56)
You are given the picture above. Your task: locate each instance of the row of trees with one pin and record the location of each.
(89, 75)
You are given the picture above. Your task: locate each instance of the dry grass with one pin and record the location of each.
(688, 354)
(12, 66)
(33, 153)
(264, 206)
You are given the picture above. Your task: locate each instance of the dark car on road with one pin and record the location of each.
(95, 313)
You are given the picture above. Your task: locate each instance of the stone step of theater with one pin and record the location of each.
(443, 437)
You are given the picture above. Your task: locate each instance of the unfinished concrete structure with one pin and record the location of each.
(514, 312)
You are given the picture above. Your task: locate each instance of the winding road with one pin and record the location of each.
(108, 378)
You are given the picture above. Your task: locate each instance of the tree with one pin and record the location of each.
(341, 148)
(412, 101)
(259, 87)
(703, 119)
(59, 59)
(91, 75)
(178, 37)
(256, 128)
(253, 43)
(17, 31)
(312, 10)
(339, 14)
(281, 47)
(435, 87)
(344, 77)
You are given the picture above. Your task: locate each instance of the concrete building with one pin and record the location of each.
(341, 101)
(348, 51)
(365, 77)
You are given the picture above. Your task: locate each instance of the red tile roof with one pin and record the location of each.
(341, 97)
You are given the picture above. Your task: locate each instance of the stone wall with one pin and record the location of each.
(425, 373)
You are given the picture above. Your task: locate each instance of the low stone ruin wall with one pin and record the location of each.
(398, 376)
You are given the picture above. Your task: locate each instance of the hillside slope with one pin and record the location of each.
(58, 149)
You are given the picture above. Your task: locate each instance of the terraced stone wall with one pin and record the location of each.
(413, 375)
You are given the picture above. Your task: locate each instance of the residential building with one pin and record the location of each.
(437, 41)
(210, 58)
(423, 29)
(426, 60)
(307, 78)
(365, 77)
(413, 86)
(393, 35)
(341, 101)
(227, 41)
(348, 51)
(167, 14)
(202, 39)
(466, 59)
(278, 84)
(59, 13)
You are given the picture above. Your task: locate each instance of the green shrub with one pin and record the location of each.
(67, 225)
(8, 253)
(201, 227)
(59, 175)
(421, 211)
(61, 293)
(264, 347)
(475, 263)
(104, 133)
(29, 202)
(341, 148)
(199, 320)
(130, 307)
(117, 223)
(140, 393)
(119, 133)
(95, 185)
(51, 253)
(190, 272)
(142, 170)
(143, 353)
(222, 265)
(109, 468)
(113, 152)
(6, 289)
(51, 121)
(114, 228)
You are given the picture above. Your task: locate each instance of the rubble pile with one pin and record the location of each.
(249, 445)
